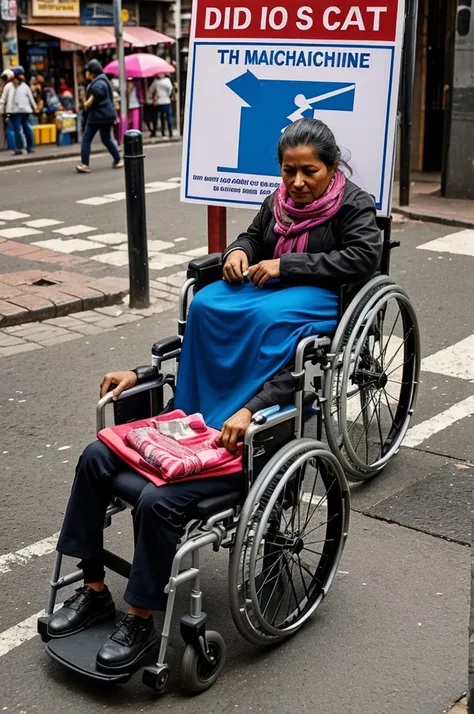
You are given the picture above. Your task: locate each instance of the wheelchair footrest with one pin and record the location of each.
(78, 652)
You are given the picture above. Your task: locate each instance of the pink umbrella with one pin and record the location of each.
(140, 65)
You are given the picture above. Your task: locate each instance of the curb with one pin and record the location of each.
(432, 218)
(72, 154)
(78, 305)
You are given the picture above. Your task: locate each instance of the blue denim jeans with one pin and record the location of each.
(22, 128)
(106, 138)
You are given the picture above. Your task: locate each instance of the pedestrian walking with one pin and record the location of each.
(24, 106)
(101, 116)
(133, 105)
(159, 97)
(6, 107)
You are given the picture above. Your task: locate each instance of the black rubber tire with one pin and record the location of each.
(196, 676)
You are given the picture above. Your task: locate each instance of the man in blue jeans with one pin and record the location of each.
(101, 116)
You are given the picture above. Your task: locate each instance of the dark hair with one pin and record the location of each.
(313, 133)
(94, 67)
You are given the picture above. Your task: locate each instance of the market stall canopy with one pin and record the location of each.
(139, 65)
(84, 37)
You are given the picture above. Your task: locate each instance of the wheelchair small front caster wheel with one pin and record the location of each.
(198, 672)
(156, 678)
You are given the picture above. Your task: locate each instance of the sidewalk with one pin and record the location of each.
(50, 152)
(426, 203)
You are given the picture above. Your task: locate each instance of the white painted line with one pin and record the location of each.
(166, 260)
(315, 500)
(461, 243)
(96, 201)
(109, 238)
(175, 179)
(22, 632)
(179, 240)
(24, 555)
(74, 230)
(120, 196)
(454, 361)
(12, 215)
(69, 245)
(161, 185)
(197, 252)
(42, 223)
(119, 258)
(419, 433)
(18, 232)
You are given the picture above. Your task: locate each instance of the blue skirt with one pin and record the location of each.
(238, 337)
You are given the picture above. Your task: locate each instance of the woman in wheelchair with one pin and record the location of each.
(281, 281)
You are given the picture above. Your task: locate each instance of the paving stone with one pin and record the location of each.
(90, 298)
(109, 322)
(34, 303)
(26, 277)
(16, 349)
(19, 249)
(88, 316)
(8, 291)
(41, 331)
(64, 276)
(10, 340)
(110, 311)
(9, 311)
(110, 286)
(87, 329)
(64, 303)
(159, 306)
(67, 322)
(58, 340)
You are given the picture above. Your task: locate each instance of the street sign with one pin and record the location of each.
(256, 66)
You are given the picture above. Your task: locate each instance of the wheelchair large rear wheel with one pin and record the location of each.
(372, 381)
(289, 540)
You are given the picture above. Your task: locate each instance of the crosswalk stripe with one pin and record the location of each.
(426, 429)
(460, 243)
(24, 555)
(453, 361)
(22, 632)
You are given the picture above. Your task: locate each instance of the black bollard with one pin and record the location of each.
(136, 219)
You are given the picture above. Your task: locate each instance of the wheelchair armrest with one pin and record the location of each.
(167, 348)
(205, 270)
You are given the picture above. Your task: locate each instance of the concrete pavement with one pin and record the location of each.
(392, 635)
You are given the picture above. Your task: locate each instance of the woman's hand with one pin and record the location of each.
(124, 380)
(235, 266)
(262, 272)
(234, 429)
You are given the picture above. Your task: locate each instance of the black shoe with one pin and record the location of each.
(84, 608)
(132, 641)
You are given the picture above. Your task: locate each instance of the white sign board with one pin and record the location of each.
(255, 67)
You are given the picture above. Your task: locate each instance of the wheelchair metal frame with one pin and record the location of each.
(220, 528)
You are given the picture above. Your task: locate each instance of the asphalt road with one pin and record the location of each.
(392, 635)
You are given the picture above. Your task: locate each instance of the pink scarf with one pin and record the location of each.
(294, 224)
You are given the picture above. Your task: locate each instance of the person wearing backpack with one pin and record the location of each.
(23, 107)
(101, 116)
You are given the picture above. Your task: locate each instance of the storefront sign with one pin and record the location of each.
(55, 8)
(257, 67)
(8, 10)
(101, 13)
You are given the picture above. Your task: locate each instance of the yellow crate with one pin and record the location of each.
(45, 133)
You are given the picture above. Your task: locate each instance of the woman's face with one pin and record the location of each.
(305, 176)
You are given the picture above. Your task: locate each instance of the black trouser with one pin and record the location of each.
(164, 114)
(159, 517)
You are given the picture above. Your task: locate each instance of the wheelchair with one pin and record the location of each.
(286, 531)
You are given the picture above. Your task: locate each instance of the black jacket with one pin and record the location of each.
(102, 110)
(345, 250)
